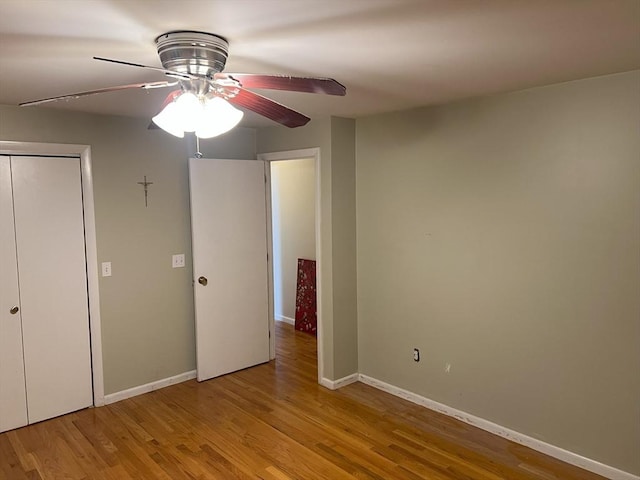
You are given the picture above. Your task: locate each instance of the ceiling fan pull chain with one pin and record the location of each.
(198, 153)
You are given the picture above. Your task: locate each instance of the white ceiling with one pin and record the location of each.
(390, 54)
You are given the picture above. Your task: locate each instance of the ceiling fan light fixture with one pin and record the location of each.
(206, 116)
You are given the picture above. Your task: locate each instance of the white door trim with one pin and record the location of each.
(313, 153)
(84, 152)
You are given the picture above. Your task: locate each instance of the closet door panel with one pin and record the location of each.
(49, 223)
(13, 400)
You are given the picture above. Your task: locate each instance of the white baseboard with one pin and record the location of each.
(341, 382)
(149, 387)
(282, 318)
(543, 447)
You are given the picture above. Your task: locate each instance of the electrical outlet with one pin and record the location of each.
(177, 261)
(106, 269)
(447, 368)
(416, 355)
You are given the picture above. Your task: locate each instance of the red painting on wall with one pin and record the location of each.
(306, 320)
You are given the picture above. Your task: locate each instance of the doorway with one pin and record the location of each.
(293, 229)
(293, 232)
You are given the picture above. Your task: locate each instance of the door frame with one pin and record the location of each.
(313, 153)
(91, 251)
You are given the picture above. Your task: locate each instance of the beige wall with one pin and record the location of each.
(343, 201)
(146, 306)
(337, 155)
(501, 236)
(293, 206)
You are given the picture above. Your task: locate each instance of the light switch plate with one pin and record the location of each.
(106, 269)
(177, 261)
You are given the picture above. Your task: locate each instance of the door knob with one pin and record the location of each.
(203, 281)
(14, 310)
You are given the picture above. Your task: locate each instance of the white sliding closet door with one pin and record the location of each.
(49, 233)
(13, 399)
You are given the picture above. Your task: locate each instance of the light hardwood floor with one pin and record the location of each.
(270, 422)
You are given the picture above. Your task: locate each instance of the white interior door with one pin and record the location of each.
(49, 232)
(13, 399)
(229, 235)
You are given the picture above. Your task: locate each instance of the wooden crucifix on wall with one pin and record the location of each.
(145, 184)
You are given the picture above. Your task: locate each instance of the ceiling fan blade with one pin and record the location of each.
(171, 73)
(328, 86)
(268, 108)
(146, 86)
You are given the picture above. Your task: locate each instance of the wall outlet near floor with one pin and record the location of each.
(177, 261)
(416, 355)
(447, 368)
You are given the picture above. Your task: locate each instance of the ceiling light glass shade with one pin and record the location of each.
(218, 117)
(168, 120)
(207, 117)
(189, 111)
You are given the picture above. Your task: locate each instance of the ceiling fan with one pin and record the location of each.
(205, 98)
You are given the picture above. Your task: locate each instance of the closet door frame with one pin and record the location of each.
(84, 152)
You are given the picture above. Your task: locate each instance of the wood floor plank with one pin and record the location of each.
(270, 422)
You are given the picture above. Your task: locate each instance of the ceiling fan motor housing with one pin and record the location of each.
(196, 53)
